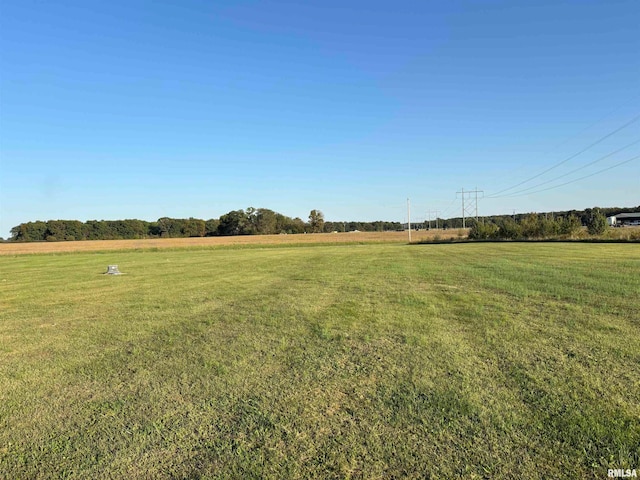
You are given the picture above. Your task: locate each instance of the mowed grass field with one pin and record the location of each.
(509, 360)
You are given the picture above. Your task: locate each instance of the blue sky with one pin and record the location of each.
(145, 109)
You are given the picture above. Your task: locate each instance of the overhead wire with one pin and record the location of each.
(585, 129)
(600, 140)
(581, 178)
(566, 174)
(526, 191)
(447, 209)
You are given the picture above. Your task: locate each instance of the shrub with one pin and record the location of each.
(549, 227)
(596, 221)
(510, 230)
(484, 231)
(530, 226)
(570, 225)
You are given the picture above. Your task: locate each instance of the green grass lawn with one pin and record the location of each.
(363, 361)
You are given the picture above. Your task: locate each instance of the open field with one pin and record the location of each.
(11, 248)
(506, 360)
(17, 248)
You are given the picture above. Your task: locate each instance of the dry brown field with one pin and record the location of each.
(349, 237)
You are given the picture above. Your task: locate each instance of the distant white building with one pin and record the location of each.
(624, 219)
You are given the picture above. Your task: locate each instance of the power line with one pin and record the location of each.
(470, 205)
(580, 132)
(601, 139)
(627, 102)
(581, 178)
(448, 208)
(566, 174)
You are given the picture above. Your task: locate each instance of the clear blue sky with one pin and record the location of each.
(144, 109)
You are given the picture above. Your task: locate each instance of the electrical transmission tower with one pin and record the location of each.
(470, 207)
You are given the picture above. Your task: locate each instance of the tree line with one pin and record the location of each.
(583, 217)
(252, 221)
(262, 221)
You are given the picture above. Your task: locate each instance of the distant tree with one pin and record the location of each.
(316, 221)
(283, 223)
(297, 225)
(74, 230)
(530, 226)
(548, 226)
(193, 227)
(136, 228)
(153, 229)
(470, 222)
(235, 222)
(96, 230)
(211, 227)
(164, 226)
(569, 225)
(509, 229)
(17, 234)
(56, 230)
(596, 221)
(118, 229)
(29, 232)
(250, 228)
(484, 231)
(452, 223)
(265, 221)
(172, 227)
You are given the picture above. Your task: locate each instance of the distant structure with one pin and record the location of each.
(624, 219)
(112, 270)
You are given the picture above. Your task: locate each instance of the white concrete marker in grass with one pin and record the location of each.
(112, 270)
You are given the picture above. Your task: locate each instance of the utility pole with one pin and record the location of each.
(471, 206)
(462, 192)
(429, 214)
(409, 218)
